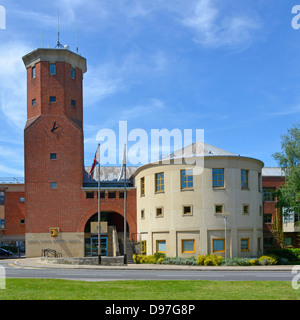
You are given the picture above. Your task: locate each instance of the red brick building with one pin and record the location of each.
(272, 179)
(60, 199)
(57, 205)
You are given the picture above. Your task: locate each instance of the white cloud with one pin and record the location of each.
(215, 28)
(8, 171)
(13, 83)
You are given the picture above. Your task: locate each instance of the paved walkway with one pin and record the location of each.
(38, 263)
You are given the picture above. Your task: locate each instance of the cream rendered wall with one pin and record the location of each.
(203, 225)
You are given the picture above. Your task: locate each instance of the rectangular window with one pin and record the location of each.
(187, 210)
(218, 245)
(22, 221)
(218, 178)
(269, 194)
(2, 198)
(245, 244)
(188, 246)
(53, 185)
(219, 208)
(186, 179)
(2, 224)
(52, 156)
(159, 212)
(143, 248)
(288, 241)
(52, 99)
(33, 102)
(112, 195)
(121, 195)
(142, 214)
(22, 199)
(33, 72)
(244, 179)
(72, 73)
(161, 246)
(268, 218)
(73, 103)
(259, 182)
(246, 209)
(159, 182)
(142, 186)
(90, 195)
(102, 195)
(52, 69)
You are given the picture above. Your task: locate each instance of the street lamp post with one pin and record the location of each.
(225, 215)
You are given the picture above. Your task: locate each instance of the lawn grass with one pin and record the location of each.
(55, 289)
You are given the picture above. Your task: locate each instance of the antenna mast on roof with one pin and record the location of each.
(58, 45)
(76, 39)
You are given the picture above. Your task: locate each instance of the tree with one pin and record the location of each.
(289, 160)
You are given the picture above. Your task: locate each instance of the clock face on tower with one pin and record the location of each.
(55, 127)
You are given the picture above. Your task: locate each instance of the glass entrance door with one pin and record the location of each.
(91, 247)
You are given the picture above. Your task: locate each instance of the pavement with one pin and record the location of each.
(39, 263)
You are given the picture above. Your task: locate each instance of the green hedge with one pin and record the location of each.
(290, 254)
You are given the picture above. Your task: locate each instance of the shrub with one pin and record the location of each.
(209, 260)
(241, 262)
(200, 260)
(159, 255)
(180, 261)
(152, 259)
(253, 262)
(267, 260)
(290, 254)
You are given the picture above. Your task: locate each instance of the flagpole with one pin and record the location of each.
(99, 210)
(125, 202)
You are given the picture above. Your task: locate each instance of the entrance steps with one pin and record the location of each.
(129, 248)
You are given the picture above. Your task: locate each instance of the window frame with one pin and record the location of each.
(161, 215)
(213, 244)
(33, 72)
(244, 179)
(2, 198)
(247, 212)
(184, 179)
(267, 219)
(53, 185)
(247, 248)
(157, 246)
(159, 182)
(217, 175)
(52, 69)
(219, 205)
(142, 182)
(52, 99)
(73, 73)
(182, 246)
(190, 213)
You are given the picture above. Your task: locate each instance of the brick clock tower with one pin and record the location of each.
(54, 151)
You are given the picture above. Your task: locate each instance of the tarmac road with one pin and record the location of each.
(26, 268)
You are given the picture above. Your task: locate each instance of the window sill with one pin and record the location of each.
(191, 189)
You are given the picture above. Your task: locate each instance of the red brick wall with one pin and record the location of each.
(14, 212)
(269, 206)
(66, 206)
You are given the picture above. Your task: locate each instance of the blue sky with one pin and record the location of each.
(228, 67)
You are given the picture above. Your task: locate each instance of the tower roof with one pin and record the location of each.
(55, 55)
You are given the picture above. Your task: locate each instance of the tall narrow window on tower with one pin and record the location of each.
(72, 73)
(33, 72)
(52, 69)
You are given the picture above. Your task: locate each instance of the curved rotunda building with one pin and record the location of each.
(181, 213)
